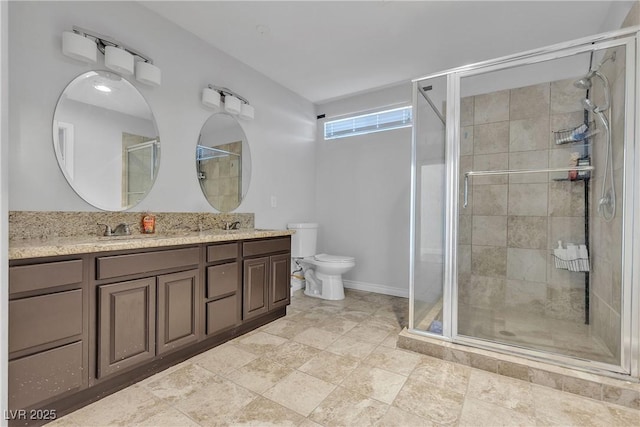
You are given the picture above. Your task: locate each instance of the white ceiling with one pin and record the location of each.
(325, 50)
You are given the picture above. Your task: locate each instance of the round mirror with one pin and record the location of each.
(106, 140)
(223, 162)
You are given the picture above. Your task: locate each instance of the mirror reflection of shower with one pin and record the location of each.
(607, 200)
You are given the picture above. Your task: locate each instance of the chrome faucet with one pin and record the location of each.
(232, 225)
(121, 229)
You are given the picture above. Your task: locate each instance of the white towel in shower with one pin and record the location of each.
(584, 257)
(573, 258)
(560, 257)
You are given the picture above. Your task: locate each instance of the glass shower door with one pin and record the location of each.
(539, 255)
(428, 206)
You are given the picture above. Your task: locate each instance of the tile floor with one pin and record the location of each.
(335, 363)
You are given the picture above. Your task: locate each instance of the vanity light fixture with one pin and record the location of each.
(82, 45)
(213, 96)
(246, 112)
(78, 47)
(118, 60)
(232, 105)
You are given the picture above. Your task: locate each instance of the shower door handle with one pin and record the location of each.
(466, 190)
(518, 171)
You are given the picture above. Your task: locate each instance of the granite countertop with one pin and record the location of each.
(34, 248)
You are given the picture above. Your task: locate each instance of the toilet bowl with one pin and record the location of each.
(323, 274)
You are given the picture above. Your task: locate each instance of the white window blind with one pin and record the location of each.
(368, 123)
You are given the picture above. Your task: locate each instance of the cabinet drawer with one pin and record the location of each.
(222, 252)
(44, 319)
(44, 375)
(222, 314)
(41, 276)
(222, 279)
(124, 265)
(266, 246)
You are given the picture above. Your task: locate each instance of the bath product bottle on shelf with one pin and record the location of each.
(148, 223)
(573, 174)
(579, 133)
(585, 161)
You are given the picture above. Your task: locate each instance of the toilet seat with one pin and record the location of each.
(333, 258)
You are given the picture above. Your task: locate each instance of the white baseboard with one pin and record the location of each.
(379, 289)
(363, 286)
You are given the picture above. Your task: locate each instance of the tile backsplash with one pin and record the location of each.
(49, 224)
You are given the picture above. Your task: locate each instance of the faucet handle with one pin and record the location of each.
(231, 225)
(107, 229)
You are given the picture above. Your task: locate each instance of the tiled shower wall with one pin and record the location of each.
(223, 183)
(606, 249)
(513, 222)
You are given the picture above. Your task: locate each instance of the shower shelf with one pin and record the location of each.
(578, 265)
(568, 136)
(580, 178)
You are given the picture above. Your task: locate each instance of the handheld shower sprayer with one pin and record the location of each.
(607, 200)
(586, 84)
(590, 106)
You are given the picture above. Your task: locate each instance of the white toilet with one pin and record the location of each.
(322, 272)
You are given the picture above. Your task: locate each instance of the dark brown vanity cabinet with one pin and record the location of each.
(145, 317)
(178, 296)
(267, 270)
(223, 301)
(126, 325)
(82, 326)
(47, 330)
(279, 280)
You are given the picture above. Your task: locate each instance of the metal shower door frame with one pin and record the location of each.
(630, 316)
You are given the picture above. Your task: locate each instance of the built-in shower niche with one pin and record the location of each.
(510, 289)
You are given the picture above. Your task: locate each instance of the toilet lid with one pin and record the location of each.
(333, 258)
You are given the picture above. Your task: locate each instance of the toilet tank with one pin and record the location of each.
(303, 241)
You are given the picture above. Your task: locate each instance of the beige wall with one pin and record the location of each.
(633, 17)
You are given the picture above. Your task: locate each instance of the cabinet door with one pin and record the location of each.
(279, 285)
(256, 289)
(177, 313)
(126, 324)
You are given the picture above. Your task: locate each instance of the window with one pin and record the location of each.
(368, 123)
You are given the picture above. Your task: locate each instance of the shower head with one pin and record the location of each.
(586, 82)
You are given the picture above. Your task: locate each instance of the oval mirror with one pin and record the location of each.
(106, 140)
(223, 162)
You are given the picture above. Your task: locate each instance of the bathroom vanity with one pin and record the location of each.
(90, 316)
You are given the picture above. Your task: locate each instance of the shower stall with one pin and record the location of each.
(525, 225)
